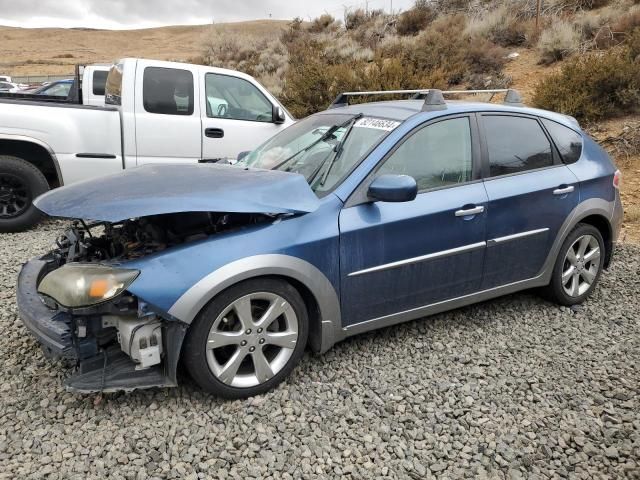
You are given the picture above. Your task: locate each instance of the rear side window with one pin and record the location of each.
(515, 144)
(167, 91)
(569, 142)
(99, 82)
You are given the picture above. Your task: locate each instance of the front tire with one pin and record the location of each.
(247, 339)
(20, 183)
(578, 266)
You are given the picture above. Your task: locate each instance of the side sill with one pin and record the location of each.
(440, 307)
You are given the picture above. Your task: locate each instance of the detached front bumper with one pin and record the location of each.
(50, 327)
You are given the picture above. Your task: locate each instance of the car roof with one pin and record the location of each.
(403, 109)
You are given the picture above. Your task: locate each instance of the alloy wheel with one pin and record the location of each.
(252, 339)
(14, 196)
(581, 265)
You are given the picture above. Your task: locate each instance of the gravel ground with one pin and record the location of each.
(512, 388)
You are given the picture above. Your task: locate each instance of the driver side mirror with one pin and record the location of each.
(393, 188)
(279, 116)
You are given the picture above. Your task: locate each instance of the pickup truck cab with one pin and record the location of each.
(154, 112)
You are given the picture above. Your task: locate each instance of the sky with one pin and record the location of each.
(127, 14)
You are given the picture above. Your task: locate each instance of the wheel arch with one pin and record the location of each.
(35, 152)
(603, 225)
(596, 212)
(318, 293)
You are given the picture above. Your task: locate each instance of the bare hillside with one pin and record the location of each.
(44, 51)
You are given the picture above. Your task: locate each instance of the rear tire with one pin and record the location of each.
(248, 339)
(578, 266)
(20, 183)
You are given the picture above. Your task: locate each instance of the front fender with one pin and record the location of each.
(193, 300)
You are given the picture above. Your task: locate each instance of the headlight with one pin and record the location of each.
(82, 285)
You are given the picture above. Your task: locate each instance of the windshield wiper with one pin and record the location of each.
(337, 151)
(326, 135)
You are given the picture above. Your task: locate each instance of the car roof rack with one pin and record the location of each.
(434, 98)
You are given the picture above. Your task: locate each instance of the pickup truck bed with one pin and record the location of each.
(71, 133)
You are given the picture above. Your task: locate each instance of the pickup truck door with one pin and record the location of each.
(237, 115)
(167, 114)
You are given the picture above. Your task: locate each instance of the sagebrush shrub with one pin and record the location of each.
(323, 23)
(628, 21)
(416, 19)
(354, 19)
(501, 26)
(485, 57)
(558, 41)
(593, 86)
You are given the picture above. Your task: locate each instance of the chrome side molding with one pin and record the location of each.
(422, 258)
(515, 236)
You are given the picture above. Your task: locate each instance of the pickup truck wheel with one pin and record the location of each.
(247, 339)
(20, 183)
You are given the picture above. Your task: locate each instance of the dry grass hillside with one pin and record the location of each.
(53, 51)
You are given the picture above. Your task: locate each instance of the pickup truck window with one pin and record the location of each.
(99, 82)
(167, 91)
(113, 88)
(236, 99)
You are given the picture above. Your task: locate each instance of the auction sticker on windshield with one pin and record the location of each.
(377, 123)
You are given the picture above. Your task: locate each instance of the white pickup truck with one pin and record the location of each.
(155, 112)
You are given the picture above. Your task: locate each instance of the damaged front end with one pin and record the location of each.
(76, 303)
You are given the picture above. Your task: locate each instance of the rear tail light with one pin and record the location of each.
(617, 178)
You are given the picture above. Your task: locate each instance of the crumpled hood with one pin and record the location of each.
(171, 188)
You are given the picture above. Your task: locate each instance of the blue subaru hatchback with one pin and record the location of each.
(355, 218)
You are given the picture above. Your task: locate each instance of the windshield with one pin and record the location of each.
(323, 148)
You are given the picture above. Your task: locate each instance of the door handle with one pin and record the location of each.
(469, 211)
(563, 190)
(214, 132)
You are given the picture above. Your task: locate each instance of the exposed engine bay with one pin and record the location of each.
(136, 238)
(122, 341)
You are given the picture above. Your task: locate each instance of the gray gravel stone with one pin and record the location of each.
(512, 388)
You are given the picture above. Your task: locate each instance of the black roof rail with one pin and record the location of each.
(434, 98)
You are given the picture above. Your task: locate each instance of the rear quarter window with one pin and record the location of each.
(568, 142)
(99, 82)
